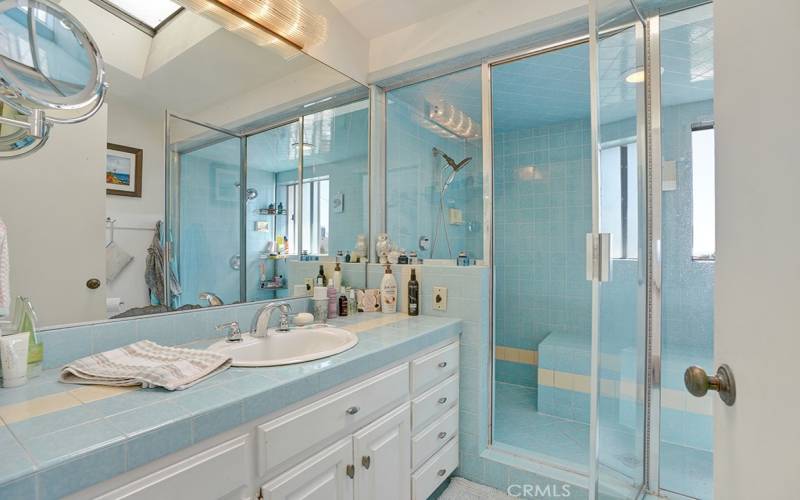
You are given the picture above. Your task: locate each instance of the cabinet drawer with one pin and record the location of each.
(434, 403)
(437, 469)
(432, 368)
(290, 435)
(220, 472)
(433, 437)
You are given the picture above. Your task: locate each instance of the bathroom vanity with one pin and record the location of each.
(378, 421)
(392, 435)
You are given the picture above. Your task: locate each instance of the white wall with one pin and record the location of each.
(757, 110)
(344, 48)
(130, 125)
(53, 203)
(465, 30)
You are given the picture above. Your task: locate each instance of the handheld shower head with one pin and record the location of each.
(451, 162)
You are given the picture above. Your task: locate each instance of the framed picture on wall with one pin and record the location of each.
(123, 170)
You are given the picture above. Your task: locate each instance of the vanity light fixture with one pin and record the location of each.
(452, 119)
(265, 22)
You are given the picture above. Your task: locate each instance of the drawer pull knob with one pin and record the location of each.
(442, 401)
(442, 364)
(442, 435)
(366, 461)
(442, 472)
(352, 410)
(351, 471)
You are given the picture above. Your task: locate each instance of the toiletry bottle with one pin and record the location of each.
(352, 302)
(333, 301)
(321, 279)
(285, 245)
(347, 256)
(280, 244)
(413, 294)
(320, 304)
(463, 259)
(344, 307)
(337, 276)
(388, 291)
(26, 322)
(14, 358)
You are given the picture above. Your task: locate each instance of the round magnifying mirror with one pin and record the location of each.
(49, 62)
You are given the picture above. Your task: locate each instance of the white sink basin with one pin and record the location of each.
(284, 348)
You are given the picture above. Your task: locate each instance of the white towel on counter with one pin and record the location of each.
(5, 272)
(147, 364)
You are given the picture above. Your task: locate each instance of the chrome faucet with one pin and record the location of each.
(232, 329)
(266, 312)
(212, 299)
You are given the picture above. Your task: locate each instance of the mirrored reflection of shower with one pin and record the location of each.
(449, 169)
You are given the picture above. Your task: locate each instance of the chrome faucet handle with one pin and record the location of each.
(286, 309)
(233, 331)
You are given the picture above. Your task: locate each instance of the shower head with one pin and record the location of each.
(455, 167)
(451, 162)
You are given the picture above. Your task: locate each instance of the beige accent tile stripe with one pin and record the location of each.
(375, 323)
(93, 393)
(514, 355)
(38, 406)
(625, 389)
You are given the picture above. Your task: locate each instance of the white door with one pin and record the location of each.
(758, 236)
(54, 204)
(322, 477)
(383, 457)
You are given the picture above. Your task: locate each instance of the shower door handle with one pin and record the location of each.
(698, 383)
(598, 257)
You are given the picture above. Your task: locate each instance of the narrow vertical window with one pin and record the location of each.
(703, 215)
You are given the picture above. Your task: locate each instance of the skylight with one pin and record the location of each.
(150, 12)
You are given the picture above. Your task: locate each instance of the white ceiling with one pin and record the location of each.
(554, 87)
(372, 18)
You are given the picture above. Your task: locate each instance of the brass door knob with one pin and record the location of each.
(698, 383)
(93, 284)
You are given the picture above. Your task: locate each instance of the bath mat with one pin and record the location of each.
(461, 489)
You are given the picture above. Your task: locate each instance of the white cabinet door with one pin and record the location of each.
(217, 473)
(322, 477)
(383, 457)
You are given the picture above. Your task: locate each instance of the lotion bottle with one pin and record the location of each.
(337, 276)
(388, 291)
(413, 294)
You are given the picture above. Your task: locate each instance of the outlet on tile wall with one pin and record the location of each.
(439, 298)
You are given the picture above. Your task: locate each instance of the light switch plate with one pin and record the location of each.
(439, 298)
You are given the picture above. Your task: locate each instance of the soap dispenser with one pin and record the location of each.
(388, 291)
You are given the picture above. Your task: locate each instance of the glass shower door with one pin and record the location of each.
(273, 159)
(620, 196)
(542, 211)
(203, 234)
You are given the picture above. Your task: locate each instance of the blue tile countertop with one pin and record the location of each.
(82, 435)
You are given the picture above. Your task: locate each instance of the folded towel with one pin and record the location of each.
(5, 272)
(117, 259)
(147, 364)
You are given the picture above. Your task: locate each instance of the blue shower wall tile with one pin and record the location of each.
(515, 373)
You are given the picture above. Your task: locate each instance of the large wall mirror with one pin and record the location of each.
(225, 167)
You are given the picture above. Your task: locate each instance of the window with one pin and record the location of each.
(316, 214)
(619, 197)
(703, 215)
(148, 15)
